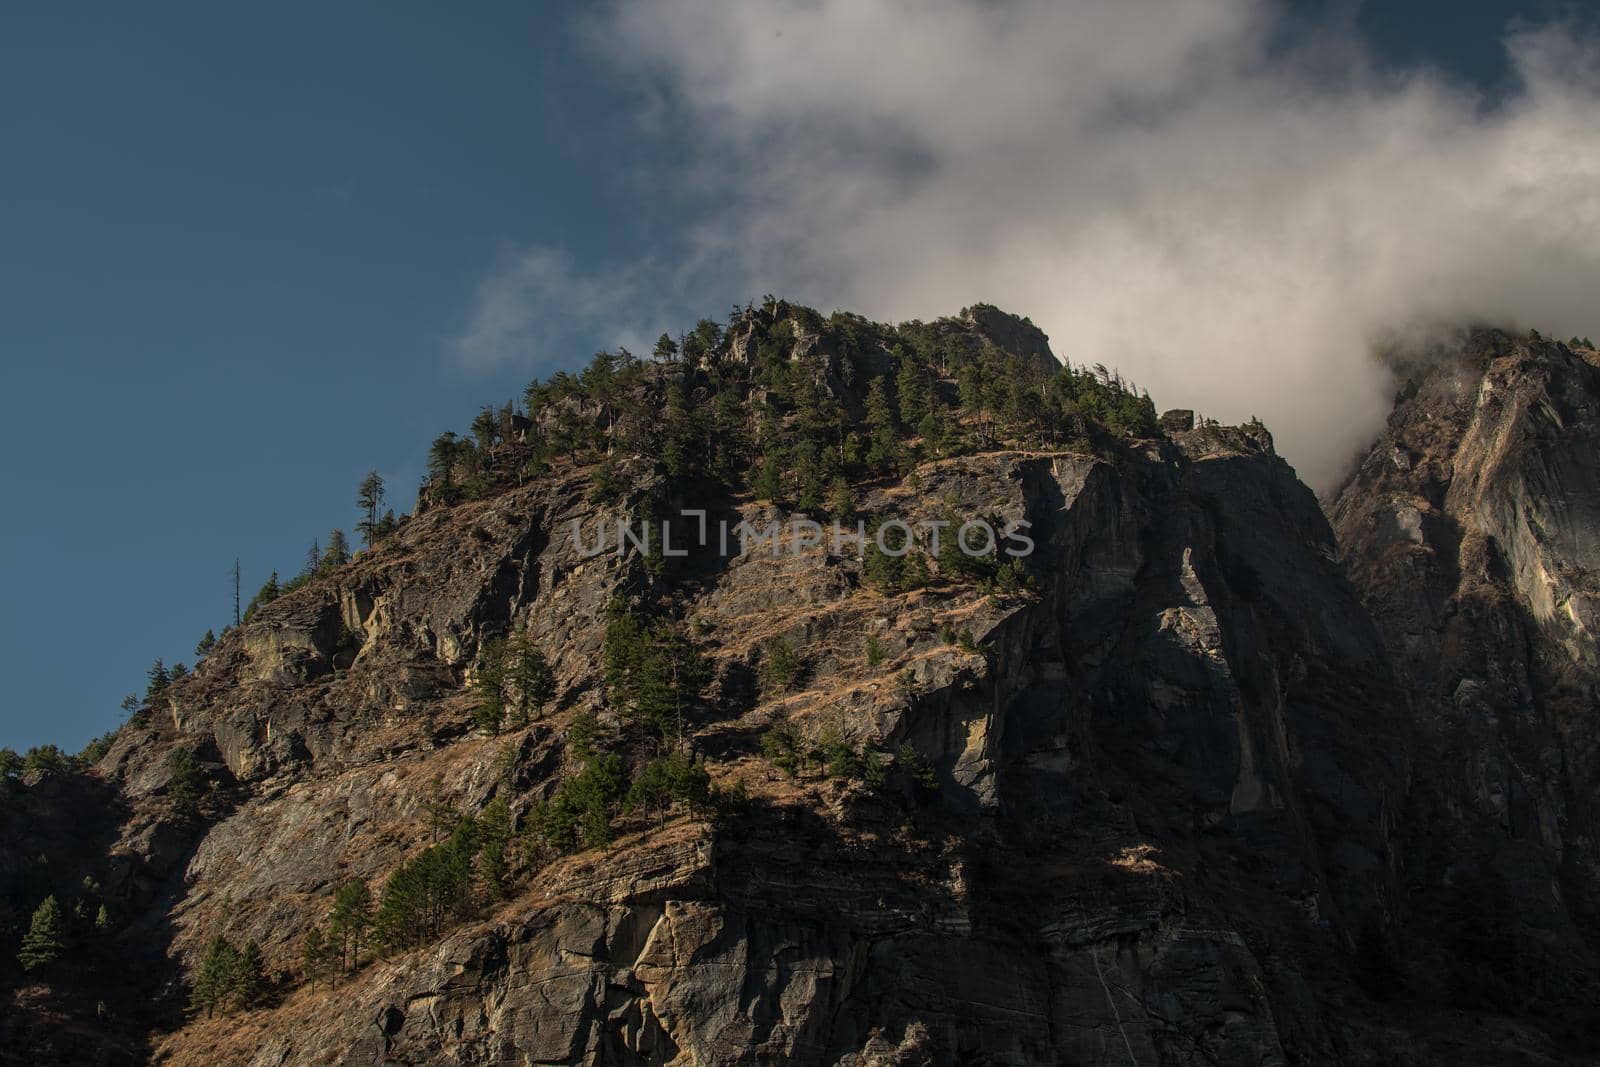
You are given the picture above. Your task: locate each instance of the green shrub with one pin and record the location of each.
(875, 653)
(781, 744)
(779, 664)
(918, 769)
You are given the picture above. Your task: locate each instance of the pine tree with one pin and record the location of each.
(684, 436)
(338, 551)
(215, 978)
(841, 503)
(183, 783)
(666, 349)
(808, 472)
(883, 453)
(157, 678)
(767, 482)
(485, 427)
(442, 459)
(369, 498)
(911, 383)
(248, 980)
(427, 891)
(46, 939)
(207, 643)
(348, 922)
(269, 591)
(653, 673)
(528, 675)
(494, 835)
(315, 953)
(489, 681)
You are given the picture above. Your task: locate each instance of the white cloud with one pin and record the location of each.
(1148, 180)
(535, 307)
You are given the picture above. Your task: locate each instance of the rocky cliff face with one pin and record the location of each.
(1175, 778)
(1471, 531)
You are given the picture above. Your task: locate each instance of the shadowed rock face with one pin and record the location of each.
(1175, 777)
(1473, 531)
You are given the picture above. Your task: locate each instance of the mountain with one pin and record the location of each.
(1208, 776)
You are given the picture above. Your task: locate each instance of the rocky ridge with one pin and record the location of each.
(1177, 777)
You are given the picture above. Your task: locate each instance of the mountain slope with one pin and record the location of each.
(1170, 790)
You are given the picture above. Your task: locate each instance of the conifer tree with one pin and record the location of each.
(369, 498)
(314, 956)
(528, 675)
(494, 835)
(248, 980)
(654, 674)
(911, 383)
(338, 551)
(215, 978)
(183, 783)
(442, 458)
(767, 482)
(207, 643)
(46, 939)
(485, 427)
(269, 591)
(427, 891)
(683, 437)
(489, 682)
(348, 922)
(157, 679)
(841, 503)
(808, 472)
(883, 451)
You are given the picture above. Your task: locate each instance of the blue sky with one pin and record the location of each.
(241, 247)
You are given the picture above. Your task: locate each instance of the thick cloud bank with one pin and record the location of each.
(1157, 184)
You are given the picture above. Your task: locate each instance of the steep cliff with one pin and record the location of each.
(1471, 529)
(1175, 775)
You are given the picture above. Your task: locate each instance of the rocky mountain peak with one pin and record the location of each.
(1200, 777)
